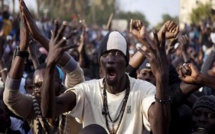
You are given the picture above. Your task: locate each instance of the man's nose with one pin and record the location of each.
(203, 118)
(110, 58)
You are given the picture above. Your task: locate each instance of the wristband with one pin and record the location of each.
(22, 54)
(163, 101)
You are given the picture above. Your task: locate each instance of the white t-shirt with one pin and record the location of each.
(89, 105)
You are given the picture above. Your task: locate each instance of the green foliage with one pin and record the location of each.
(165, 18)
(133, 15)
(200, 13)
(86, 9)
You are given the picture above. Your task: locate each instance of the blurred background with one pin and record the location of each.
(153, 12)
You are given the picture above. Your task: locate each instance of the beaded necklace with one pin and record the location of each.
(105, 110)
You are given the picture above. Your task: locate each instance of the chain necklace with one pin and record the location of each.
(105, 110)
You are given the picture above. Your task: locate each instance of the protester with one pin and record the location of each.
(174, 68)
(14, 100)
(204, 115)
(95, 107)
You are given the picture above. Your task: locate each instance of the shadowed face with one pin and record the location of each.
(29, 85)
(113, 65)
(147, 75)
(204, 120)
(38, 81)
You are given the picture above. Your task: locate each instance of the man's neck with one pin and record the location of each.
(118, 87)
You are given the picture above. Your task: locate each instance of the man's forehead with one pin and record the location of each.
(39, 75)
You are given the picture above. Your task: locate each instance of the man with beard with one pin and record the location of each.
(117, 102)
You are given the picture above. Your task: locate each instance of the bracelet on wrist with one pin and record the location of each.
(163, 101)
(22, 54)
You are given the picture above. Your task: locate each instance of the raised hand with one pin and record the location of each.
(184, 42)
(138, 30)
(171, 30)
(57, 45)
(24, 36)
(83, 28)
(32, 27)
(160, 68)
(171, 47)
(189, 73)
(157, 56)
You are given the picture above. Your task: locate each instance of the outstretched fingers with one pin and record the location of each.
(156, 40)
(148, 44)
(59, 35)
(25, 10)
(55, 31)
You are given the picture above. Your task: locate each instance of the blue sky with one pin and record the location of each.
(152, 9)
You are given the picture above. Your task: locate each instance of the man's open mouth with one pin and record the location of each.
(111, 73)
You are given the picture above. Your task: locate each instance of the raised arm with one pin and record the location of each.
(195, 77)
(159, 112)
(184, 42)
(37, 35)
(57, 47)
(12, 98)
(68, 64)
(81, 45)
(138, 30)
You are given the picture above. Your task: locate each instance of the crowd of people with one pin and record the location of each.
(69, 78)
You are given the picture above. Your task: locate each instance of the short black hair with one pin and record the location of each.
(5, 15)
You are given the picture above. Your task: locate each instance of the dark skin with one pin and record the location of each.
(114, 61)
(159, 113)
(17, 67)
(146, 74)
(184, 42)
(195, 77)
(29, 84)
(37, 35)
(204, 118)
(138, 30)
(33, 54)
(115, 79)
(57, 47)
